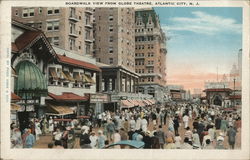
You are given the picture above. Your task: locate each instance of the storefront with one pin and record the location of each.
(98, 101)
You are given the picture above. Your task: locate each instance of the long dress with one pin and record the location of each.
(51, 125)
(37, 130)
(144, 125)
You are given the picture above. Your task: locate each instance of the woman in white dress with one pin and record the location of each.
(51, 125)
(144, 125)
(37, 129)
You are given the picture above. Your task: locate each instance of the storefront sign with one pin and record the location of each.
(30, 101)
(99, 98)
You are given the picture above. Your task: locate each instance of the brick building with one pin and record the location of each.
(68, 28)
(150, 53)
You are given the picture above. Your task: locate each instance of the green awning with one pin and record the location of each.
(30, 80)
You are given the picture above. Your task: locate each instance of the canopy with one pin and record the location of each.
(87, 79)
(30, 80)
(53, 74)
(59, 110)
(147, 102)
(15, 107)
(134, 102)
(141, 104)
(126, 104)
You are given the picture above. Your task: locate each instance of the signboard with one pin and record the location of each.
(99, 98)
(30, 101)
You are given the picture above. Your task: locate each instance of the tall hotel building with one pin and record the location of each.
(68, 28)
(150, 53)
(115, 47)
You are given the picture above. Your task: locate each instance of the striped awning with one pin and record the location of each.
(77, 77)
(147, 102)
(59, 110)
(15, 107)
(151, 101)
(87, 79)
(134, 102)
(126, 104)
(141, 104)
(53, 74)
(68, 76)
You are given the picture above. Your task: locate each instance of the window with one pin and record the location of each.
(111, 28)
(110, 60)
(111, 18)
(28, 12)
(55, 41)
(111, 50)
(150, 79)
(111, 39)
(50, 11)
(53, 25)
(16, 12)
(71, 44)
(87, 19)
(72, 12)
(80, 45)
(87, 49)
(56, 10)
(87, 34)
(151, 70)
(72, 27)
(80, 30)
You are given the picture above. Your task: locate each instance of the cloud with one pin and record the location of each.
(204, 23)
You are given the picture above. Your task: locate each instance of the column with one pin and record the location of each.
(126, 83)
(130, 84)
(118, 81)
(100, 82)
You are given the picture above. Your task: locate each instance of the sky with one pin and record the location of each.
(200, 40)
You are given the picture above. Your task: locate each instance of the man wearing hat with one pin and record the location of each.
(93, 139)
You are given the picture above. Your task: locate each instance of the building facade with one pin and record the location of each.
(68, 28)
(114, 37)
(150, 53)
(114, 49)
(47, 80)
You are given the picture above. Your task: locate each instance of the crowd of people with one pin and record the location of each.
(173, 126)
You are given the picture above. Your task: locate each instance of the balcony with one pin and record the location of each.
(88, 25)
(73, 34)
(89, 10)
(149, 65)
(88, 40)
(139, 57)
(73, 17)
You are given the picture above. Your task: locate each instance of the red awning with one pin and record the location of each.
(235, 97)
(217, 90)
(68, 96)
(78, 63)
(146, 102)
(126, 104)
(141, 104)
(134, 102)
(15, 97)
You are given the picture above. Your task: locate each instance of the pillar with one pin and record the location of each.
(126, 83)
(118, 81)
